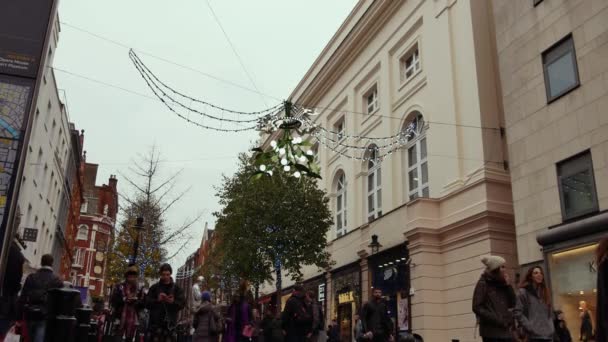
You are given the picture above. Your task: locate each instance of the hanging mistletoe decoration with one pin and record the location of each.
(289, 154)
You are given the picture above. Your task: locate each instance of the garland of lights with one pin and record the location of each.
(287, 154)
(136, 60)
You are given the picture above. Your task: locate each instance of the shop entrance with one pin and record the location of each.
(345, 316)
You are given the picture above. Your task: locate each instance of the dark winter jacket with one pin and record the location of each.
(601, 330)
(158, 310)
(562, 334)
(493, 301)
(297, 317)
(375, 318)
(534, 315)
(273, 330)
(204, 316)
(34, 293)
(12, 283)
(119, 299)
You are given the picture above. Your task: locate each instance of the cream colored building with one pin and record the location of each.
(553, 61)
(440, 202)
(44, 196)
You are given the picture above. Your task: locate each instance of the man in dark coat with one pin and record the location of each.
(33, 299)
(164, 300)
(10, 288)
(376, 322)
(297, 317)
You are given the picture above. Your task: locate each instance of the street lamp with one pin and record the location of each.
(139, 226)
(375, 245)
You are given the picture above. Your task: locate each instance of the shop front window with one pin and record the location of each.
(347, 301)
(573, 282)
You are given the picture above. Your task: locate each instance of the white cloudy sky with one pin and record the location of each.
(277, 39)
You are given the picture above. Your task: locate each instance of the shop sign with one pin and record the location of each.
(321, 292)
(346, 297)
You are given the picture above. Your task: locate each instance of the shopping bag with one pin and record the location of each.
(12, 336)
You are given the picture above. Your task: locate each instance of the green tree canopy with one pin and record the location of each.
(273, 217)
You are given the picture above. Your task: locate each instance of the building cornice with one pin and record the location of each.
(360, 27)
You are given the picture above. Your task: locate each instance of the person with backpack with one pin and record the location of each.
(206, 321)
(493, 302)
(533, 310)
(297, 317)
(33, 299)
(318, 326)
(164, 300)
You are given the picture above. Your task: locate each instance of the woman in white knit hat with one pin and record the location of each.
(493, 302)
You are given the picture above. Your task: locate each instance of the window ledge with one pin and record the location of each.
(370, 115)
(409, 80)
(563, 93)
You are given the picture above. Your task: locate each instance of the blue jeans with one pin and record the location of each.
(36, 330)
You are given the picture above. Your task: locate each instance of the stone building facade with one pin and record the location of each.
(553, 63)
(441, 201)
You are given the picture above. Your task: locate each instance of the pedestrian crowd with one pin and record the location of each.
(505, 312)
(509, 312)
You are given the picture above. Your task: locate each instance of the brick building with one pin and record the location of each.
(95, 231)
(76, 174)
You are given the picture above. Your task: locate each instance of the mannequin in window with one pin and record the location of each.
(586, 325)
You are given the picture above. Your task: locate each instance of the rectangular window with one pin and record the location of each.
(410, 64)
(576, 184)
(560, 69)
(371, 100)
(78, 257)
(340, 129)
(418, 173)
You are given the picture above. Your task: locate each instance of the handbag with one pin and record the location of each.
(247, 331)
(213, 330)
(12, 335)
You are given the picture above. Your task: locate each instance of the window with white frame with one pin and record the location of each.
(341, 213)
(417, 164)
(340, 129)
(84, 206)
(410, 63)
(78, 256)
(371, 100)
(83, 232)
(374, 185)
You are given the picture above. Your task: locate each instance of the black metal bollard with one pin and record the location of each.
(83, 317)
(61, 323)
(93, 331)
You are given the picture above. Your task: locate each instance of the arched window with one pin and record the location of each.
(341, 213)
(83, 232)
(417, 165)
(374, 184)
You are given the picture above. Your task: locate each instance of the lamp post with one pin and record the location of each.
(375, 245)
(139, 226)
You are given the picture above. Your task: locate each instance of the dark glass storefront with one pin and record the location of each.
(390, 272)
(317, 286)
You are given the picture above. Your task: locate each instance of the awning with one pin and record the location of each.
(572, 230)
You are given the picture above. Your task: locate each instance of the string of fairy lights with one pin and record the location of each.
(352, 146)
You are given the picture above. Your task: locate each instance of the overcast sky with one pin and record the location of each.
(278, 40)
